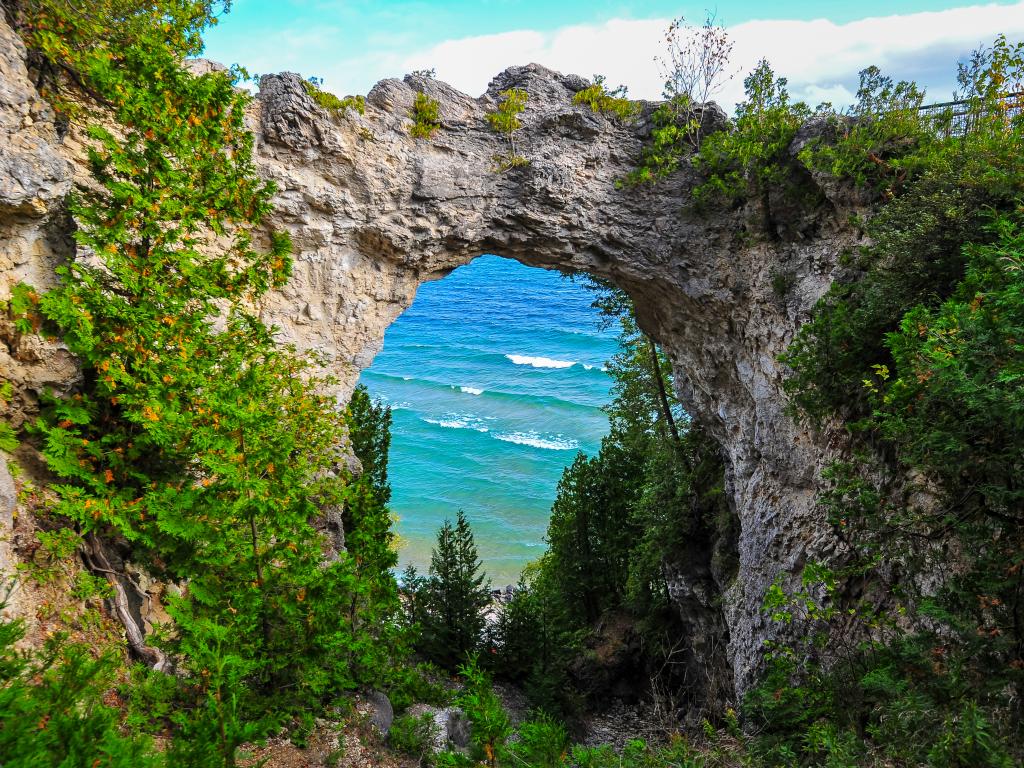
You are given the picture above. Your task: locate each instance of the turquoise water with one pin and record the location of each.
(496, 380)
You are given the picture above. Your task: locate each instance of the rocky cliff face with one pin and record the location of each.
(374, 213)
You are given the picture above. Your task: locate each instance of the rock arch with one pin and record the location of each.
(374, 213)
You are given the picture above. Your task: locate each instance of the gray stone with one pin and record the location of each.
(458, 728)
(440, 723)
(382, 714)
(374, 213)
(8, 501)
(451, 726)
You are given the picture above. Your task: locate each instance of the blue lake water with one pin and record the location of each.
(496, 380)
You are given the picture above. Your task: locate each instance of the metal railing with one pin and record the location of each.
(958, 118)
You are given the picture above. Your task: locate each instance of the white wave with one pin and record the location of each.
(471, 390)
(454, 421)
(592, 367)
(540, 362)
(407, 378)
(536, 440)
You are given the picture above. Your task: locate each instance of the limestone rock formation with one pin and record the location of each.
(34, 228)
(374, 213)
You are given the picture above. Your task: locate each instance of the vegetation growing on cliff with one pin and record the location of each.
(695, 67)
(505, 120)
(195, 438)
(52, 709)
(918, 353)
(329, 101)
(424, 114)
(613, 102)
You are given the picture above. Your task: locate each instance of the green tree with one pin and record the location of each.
(370, 433)
(52, 710)
(505, 120)
(195, 437)
(749, 160)
(457, 592)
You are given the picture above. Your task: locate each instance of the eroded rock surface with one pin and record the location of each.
(374, 213)
(35, 232)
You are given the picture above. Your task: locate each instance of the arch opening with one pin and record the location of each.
(496, 377)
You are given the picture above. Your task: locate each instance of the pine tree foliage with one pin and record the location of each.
(620, 518)
(453, 597)
(52, 710)
(196, 438)
(370, 433)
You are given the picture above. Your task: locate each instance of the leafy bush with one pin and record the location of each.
(419, 683)
(968, 739)
(329, 101)
(539, 743)
(424, 114)
(415, 736)
(450, 759)
(672, 137)
(600, 99)
(750, 159)
(490, 724)
(871, 141)
(8, 437)
(638, 754)
(52, 709)
(505, 120)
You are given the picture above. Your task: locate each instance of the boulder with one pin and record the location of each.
(382, 714)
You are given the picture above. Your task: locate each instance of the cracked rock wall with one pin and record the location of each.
(374, 213)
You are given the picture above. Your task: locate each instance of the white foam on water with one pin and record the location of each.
(471, 390)
(540, 362)
(455, 421)
(536, 440)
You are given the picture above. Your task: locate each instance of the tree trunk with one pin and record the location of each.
(96, 559)
(666, 411)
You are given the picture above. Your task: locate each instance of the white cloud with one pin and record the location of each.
(819, 57)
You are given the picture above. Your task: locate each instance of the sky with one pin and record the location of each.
(819, 47)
